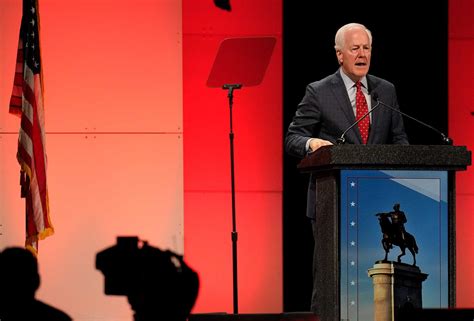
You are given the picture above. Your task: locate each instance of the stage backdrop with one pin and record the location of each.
(257, 118)
(461, 123)
(113, 104)
(116, 75)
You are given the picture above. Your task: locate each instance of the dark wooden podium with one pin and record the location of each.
(408, 169)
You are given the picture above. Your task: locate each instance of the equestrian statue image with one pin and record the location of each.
(394, 233)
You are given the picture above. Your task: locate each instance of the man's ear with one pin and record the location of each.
(339, 56)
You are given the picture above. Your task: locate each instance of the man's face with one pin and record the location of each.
(354, 57)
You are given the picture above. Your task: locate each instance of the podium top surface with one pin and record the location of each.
(408, 157)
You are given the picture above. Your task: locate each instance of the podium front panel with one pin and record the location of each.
(368, 201)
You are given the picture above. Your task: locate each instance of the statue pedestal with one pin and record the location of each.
(396, 286)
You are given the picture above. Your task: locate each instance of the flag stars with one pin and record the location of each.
(32, 22)
(353, 184)
(353, 283)
(353, 204)
(353, 243)
(353, 223)
(353, 263)
(32, 10)
(353, 303)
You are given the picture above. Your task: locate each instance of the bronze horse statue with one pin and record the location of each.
(393, 236)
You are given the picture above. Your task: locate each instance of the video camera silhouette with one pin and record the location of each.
(155, 282)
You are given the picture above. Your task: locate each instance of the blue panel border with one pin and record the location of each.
(422, 196)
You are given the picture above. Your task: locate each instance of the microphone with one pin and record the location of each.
(341, 140)
(445, 139)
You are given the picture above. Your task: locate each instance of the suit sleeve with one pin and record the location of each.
(304, 124)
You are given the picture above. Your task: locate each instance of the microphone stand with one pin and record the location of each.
(231, 88)
(341, 140)
(445, 139)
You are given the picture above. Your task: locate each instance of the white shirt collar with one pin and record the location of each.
(349, 83)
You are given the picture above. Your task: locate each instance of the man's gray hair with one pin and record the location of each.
(341, 33)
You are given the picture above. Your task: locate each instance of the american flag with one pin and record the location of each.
(27, 102)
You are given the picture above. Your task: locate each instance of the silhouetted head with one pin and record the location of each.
(19, 276)
(396, 207)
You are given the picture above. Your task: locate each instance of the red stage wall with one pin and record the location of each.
(257, 125)
(461, 124)
(113, 110)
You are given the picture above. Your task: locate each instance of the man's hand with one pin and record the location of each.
(315, 143)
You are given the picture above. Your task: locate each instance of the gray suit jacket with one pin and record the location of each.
(325, 112)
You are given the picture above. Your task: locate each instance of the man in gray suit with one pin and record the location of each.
(330, 106)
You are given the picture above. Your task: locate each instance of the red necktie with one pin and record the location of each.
(361, 110)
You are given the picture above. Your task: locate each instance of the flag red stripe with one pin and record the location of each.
(19, 53)
(16, 99)
(31, 228)
(15, 105)
(29, 94)
(18, 80)
(17, 95)
(40, 167)
(34, 131)
(26, 125)
(24, 156)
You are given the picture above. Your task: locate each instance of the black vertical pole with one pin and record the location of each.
(230, 95)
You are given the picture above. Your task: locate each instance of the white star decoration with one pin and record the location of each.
(352, 279)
